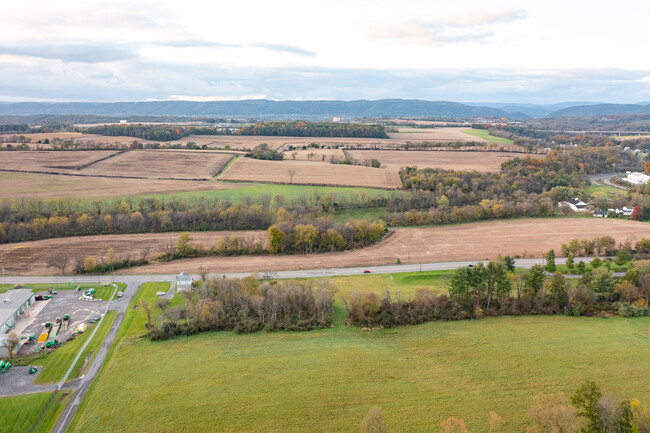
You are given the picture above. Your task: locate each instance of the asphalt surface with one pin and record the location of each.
(134, 282)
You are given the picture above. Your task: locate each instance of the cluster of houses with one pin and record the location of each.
(636, 178)
(577, 205)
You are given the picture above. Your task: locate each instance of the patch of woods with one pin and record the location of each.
(289, 129)
(282, 238)
(525, 187)
(587, 410)
(311, 129)
(245, 306)
(22, 220)
(498, 289)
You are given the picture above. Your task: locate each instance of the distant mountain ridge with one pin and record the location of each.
(321, 109)
(601, 110)
(259, 108)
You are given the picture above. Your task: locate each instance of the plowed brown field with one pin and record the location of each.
(477, 241)
(30, 258)
(310, 173)
(448, 160)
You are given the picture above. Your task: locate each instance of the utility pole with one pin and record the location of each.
(4, 277)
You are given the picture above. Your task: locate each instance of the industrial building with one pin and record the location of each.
(13, 305)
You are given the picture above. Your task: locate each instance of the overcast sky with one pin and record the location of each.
(540, 51)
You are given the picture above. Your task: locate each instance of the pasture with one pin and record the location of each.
(324, 381)
(310, 173)
(433, 134)
(442, 159)
(485, 135)
(35, 413)
(527, 237)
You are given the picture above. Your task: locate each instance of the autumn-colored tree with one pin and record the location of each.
(306, 235)
(646, 167)
(184, 248)
(276, 239)
(454, 425)
(637, 213)
(552, 414)
(89, 264)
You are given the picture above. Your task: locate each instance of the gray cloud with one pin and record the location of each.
(137, 79)
(285, 48)
(73, 52)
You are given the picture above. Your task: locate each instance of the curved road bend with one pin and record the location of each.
(135, 281)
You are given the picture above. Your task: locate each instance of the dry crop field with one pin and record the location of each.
(477, 241)
(30, 258)
(448, 160)
(198, 164)
(44, 186)
(52, 161)
(433, 134)
(310, 173)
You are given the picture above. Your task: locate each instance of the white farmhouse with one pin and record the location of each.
(184, 282)
(575, 204)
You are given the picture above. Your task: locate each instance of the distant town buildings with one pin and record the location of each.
(637, 178)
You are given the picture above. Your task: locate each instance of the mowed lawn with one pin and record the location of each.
(36, 413)
(326, 381)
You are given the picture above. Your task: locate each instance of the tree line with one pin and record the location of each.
(587, 410)
(244, 306)
(497, 289)
(312, 129)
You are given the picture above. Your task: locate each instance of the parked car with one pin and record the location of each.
(119, 294)
(160, 293)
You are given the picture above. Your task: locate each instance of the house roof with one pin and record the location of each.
(10, 302)
(576, 202)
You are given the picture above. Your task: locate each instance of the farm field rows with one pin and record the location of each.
(475, 241)
(162, 164)
(485, 135)
(51, 161)
(310, 173)
(327, 380)
(43, 186)
(30, 258)
(447, 160)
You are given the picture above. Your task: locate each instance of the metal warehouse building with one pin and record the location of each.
(12, 305)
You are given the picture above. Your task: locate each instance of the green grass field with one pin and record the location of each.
(324, 381)
(609, 191)
(20, 414)
(370, 214)
(290, 192)
(485, 134)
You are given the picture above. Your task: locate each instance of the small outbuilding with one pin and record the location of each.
(184, 282)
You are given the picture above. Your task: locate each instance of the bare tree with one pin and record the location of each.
(374, 422)
(144, 252)
(293, 155)
(13, 340)
(291, 173)
(147, 308)
(59, 261)
(163, 304)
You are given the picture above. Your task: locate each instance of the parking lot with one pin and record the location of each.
(64, 302)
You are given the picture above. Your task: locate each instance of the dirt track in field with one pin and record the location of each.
(477, 241)
(448, 160)
(30, 258)
(310, 173)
